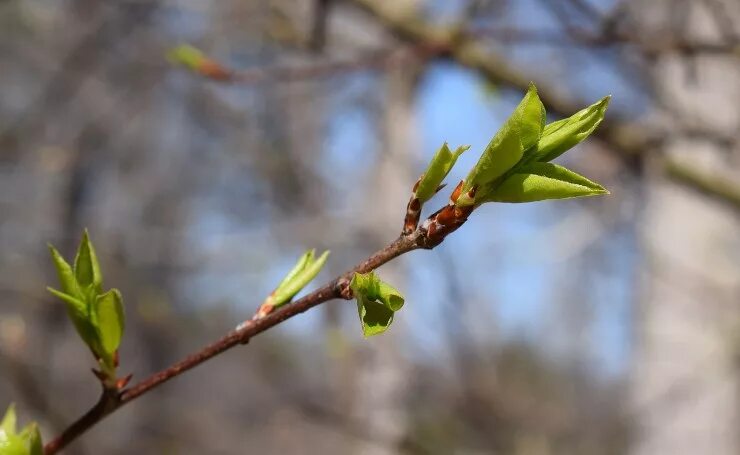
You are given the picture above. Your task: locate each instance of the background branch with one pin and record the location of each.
(336, 288)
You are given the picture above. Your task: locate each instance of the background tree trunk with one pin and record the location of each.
(685, 376)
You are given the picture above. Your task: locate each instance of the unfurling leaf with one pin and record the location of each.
(87, 268)
(78, 312)
(299, 276)
(518, 134)
(97, 316)
(374, 316)
(562, 135)
(438, 168)
(297, 268)
(389, 296)
(377, 302)
(66, 275)
(540, 181)
(10, 421)
(110, 321)
(25, 442)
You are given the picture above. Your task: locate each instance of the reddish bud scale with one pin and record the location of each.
(345, 291)
(413, 213)
(121, 383)
(447, 219)
(213, 70)
(456, 192)
(264, 310)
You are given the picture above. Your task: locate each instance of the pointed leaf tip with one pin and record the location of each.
(66, 275)
(87, 267)
(297, 268)
(562, 135)
(302, 273)
(438, 168)
(9, 422)
(12, 442)
(541, 181)
(520, 133)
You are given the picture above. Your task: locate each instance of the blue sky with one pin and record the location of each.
(510, 279)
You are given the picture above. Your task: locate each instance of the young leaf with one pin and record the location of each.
(365, 284)
(520, 132)
(374, 316)
(12, 445)
(564, 134)
(76, 307)
(540, 181)
(437, 170)
(110, 321)
(532, 118)
(297, 268)
(87, 268)
(9, 422)
(188, 56)
(199, 63)
(77, 311)
(65, 273)
(377, 301)
(389, 296)
(27, 442)
(33, 439)
(300, 279)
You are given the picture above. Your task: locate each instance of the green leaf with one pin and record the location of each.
(65, 273)
(9, 422)
(12, 445)
(110, 321)
(365, 284)
(78, 312)
(374, 316)
(560, 136)
(27, 442)
(377, 302)
(87, 268)
(33, 439)
(438, 168)
(520, 132)
(540, 181)
(75, 306)
(288, 289)
(531, 113)
(187, 55)
(389, 296)
(297, 268)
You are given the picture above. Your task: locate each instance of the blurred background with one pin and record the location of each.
(608, 325)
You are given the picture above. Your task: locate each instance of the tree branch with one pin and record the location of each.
(466, 50)
(111, 401)
(720, 187)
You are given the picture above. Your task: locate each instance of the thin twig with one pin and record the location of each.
(335, 289)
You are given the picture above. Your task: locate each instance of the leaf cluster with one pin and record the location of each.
(98, 316)
(515, 167)
(302, 273)
(377, 302)
(14, 442)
